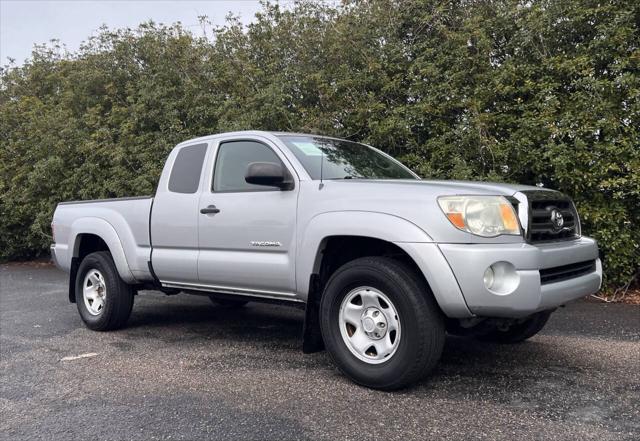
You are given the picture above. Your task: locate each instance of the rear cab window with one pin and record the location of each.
(187, 168)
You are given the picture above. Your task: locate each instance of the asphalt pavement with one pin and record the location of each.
(186, 369)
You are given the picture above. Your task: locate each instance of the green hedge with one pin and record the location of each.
(533, 92)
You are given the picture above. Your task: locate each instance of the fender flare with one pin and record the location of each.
(105, 231)
(399, 231)
(383, 226)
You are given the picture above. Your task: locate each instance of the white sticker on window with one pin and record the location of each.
(308, 148)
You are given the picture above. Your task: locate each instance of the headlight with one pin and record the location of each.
(486, 216)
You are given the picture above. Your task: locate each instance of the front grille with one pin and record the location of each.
(541, 228)
(566, 272)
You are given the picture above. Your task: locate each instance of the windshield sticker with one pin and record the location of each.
(308, 148)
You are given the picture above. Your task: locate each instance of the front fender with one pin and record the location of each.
(376, 225)
(104, 230)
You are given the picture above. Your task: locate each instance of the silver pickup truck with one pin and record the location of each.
(383, 263)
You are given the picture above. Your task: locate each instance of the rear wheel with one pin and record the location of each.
(380, 323)
(103, 299)
(518, 331)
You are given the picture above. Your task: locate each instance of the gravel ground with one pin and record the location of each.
(185, 369)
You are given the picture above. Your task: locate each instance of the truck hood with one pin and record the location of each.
(415, 201)
(450, 187)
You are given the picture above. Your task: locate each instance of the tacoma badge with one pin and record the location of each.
(265, 243)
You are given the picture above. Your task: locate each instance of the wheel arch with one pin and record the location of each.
(317, 234)
(336, 251)
(333, 239)
(402, 238)
(89, 235)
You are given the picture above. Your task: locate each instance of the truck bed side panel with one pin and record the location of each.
(128, 217)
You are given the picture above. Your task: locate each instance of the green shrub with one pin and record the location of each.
(541, 92)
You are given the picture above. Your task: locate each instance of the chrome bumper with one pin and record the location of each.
(527, 294)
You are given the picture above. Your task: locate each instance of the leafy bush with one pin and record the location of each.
(539, 92)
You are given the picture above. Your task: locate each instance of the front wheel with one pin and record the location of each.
(380, 323)
(103, 299)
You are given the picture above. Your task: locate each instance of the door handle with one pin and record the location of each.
(211, 209)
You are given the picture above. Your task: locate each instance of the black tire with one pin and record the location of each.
(422, 323)
(119, 295)
(517, 332)
(227, 303)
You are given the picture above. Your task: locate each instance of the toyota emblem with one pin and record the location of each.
(556, 219)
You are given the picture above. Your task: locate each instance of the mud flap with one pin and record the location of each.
(75, 263)
(311, 335)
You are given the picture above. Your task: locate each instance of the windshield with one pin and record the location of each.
(340, 159)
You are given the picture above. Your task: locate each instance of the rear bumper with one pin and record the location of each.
(53, 255)
(526, 294)
(58, 255)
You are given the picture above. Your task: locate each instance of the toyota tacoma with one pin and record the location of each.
(383, 262)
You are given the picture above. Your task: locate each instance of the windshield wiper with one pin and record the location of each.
(345, 177)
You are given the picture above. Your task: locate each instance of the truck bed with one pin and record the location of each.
(127, 219)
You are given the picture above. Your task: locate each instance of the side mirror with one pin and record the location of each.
(269, 174)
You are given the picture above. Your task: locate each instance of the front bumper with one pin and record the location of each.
(528, 294)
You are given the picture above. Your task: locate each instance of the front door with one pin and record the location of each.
(247, 231)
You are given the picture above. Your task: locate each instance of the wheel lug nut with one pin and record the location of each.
(381, 325)
(376, 313)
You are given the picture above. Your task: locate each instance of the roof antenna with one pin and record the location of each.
(321, 186)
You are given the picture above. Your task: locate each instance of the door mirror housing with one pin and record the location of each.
(268, 174)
